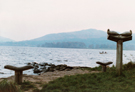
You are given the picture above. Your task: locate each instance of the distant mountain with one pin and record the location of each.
(4, 39)
(83, 34)
(90, 38)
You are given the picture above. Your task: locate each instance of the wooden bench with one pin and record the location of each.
(18, 72)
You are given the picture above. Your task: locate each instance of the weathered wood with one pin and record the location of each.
(104, 65)
(18, 72)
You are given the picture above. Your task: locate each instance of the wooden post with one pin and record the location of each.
(18, 72)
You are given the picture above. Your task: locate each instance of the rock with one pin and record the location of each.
(36, 66)
(36, 70)
(44, 64)
(50, 69)
(41, 64)
(53, 66)
(63, 67)
(34, 63)
(28, 63)
(44, 70)
(57, 67)
(42, 67)
(50, 64)
(45, 67)
(69, 68)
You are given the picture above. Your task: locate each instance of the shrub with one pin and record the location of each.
(129, 65)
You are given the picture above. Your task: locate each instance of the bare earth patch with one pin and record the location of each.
(38, 80)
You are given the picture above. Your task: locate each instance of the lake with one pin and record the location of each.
(20, 56)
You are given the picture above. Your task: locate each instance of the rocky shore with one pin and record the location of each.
(48, 72)
(46, 67)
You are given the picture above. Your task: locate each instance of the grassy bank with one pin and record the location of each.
(96, 82)
(92, 82)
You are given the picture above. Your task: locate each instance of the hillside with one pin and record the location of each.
(83, 34)
(90, 38)
(4, 39)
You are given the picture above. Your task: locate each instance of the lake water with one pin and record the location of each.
(19, 56)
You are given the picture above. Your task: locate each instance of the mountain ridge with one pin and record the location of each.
(4, 39)
(83, 34)
(89, 38)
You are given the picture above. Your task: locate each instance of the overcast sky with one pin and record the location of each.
(29, 19)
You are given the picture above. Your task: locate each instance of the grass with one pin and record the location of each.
(93, 82)
(96, 82)
(26, 85)
(6, 86)
(92, 69)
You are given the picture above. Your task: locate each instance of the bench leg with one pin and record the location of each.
(18, 77)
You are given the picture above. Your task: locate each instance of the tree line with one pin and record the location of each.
(83, 45)
(64, 45)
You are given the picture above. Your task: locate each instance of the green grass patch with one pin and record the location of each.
(26, 85)
(91, 69)
(96, 82)
(92, 82)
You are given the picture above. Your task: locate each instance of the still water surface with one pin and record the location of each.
(20, 56)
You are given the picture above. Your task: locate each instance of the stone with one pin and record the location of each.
(50, 69)
(44, 70)
(69, 68)
(28, 63)
(57, 67)
(119, 38)
(63, 67)
(53, 66)
(18, 72)
(44, 64)
(104, 65)
(45, 67)
(36, 70)
(36, 66)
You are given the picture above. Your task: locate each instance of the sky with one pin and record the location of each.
(29, 19)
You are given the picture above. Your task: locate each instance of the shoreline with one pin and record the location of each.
(46, 77)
